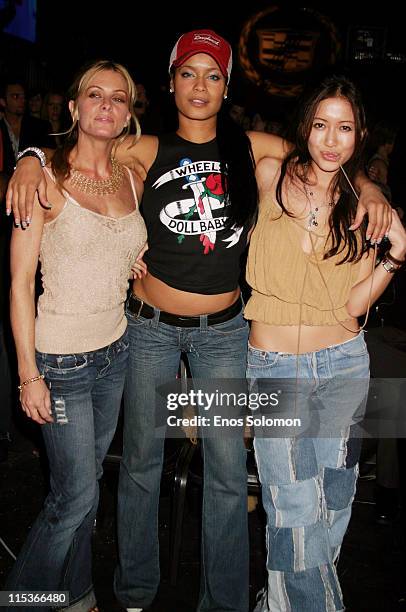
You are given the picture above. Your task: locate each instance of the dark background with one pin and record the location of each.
(140, 34)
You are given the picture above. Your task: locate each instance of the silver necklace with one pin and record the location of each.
(312, 218)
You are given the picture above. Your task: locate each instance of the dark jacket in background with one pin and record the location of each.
(34, 133)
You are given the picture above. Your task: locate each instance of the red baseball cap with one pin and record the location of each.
(203, 41)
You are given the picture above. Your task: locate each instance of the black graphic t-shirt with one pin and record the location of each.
(184, 211)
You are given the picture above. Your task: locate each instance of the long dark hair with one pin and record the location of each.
(237, 158)
(343, 240)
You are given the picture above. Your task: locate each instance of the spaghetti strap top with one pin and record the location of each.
(86, 260)
(289, 286)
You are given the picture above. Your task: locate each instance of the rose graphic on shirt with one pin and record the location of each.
(205, 190)
(214, 185)
(212, 188)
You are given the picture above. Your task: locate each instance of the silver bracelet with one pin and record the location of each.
(33, 152)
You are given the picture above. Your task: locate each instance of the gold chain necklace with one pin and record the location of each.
(96, 186)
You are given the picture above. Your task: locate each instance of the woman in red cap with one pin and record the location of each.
(200, 201)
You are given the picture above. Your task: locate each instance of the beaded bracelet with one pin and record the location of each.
(30, 380)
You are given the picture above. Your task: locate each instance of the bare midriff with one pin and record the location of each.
(157, 293)
(284, 338)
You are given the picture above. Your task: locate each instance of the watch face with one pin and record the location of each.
(388, 265)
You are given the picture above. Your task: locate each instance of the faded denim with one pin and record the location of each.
(308, 484)
(86, 391)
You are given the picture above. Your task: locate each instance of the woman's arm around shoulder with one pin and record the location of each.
(138, 184)
(268, 145)
(373, 281)
(373, 203)
(139, 156)
(266, 172)
(378, 171)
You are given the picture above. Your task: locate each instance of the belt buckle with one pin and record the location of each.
(140, 308)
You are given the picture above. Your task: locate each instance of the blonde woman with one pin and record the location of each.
(72, 357)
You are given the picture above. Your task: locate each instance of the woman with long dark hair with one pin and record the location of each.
(312, 278)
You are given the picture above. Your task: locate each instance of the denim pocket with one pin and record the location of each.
(353, 348)
(261, 359)
(234, 325)
(64, 363)
(133, 319)
(122, 344)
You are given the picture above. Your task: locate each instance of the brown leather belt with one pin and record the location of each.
(140, 309)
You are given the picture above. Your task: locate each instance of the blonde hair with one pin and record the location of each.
(60, 161)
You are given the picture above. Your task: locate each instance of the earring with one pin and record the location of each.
(170, 90)
(225, 97)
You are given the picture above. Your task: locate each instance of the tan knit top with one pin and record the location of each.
(86, 263)
(287, 286)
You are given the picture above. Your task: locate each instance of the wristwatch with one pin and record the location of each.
(389, 265)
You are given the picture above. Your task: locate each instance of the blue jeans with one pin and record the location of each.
(308, 484)
(216, 351)
(86, 391)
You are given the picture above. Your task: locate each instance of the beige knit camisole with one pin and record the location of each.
(86, 261)
(287, 288)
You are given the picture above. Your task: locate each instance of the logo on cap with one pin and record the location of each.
(207, 38)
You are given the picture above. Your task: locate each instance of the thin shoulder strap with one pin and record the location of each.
(65, 193)
(130, 174)
(50, 174)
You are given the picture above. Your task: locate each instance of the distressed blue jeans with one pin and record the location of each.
(308, 483)
(86, 391)
(215, 351)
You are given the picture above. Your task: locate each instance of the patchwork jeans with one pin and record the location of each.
(308, 483)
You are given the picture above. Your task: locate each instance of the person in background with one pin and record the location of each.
(35, 101)
(19, 130)
(54, 111)
(379, 148)
(148, 113)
